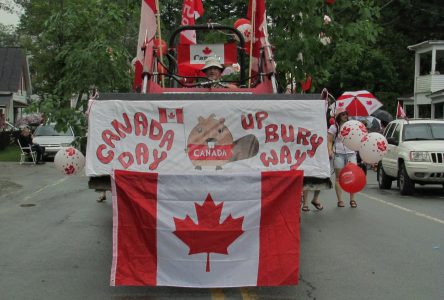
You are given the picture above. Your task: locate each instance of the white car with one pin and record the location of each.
(53, 140)
(415, 154)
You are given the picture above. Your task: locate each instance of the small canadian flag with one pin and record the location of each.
(171, 115)
(400, 113)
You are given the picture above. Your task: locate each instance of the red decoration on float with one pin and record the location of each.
(161, 45)
(306, 85)
(244, 26)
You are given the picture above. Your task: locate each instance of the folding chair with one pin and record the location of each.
(27, 152)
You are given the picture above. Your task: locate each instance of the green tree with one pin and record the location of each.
(75, 46)
(79, 44)
(8, 36)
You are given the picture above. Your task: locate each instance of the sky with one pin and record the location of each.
(8, 19)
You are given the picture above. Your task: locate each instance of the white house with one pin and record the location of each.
(15, 83)
(428, 95)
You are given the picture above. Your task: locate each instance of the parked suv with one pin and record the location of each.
(415, 155)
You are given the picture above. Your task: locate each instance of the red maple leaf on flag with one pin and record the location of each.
(207, 51)
(208, 235)
(341, 104)
(171, 115)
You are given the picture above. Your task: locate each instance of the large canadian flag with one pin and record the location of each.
(206, 229)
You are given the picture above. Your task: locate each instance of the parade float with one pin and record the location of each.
(206, 175)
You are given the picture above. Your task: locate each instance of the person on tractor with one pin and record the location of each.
(213, 71)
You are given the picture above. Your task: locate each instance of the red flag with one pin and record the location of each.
(147, 31)
(400, 114)
(192, 9)
(306, 85)
(260, 29)
(171, 115)
(206, 230)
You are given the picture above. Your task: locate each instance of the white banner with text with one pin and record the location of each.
(226, 136)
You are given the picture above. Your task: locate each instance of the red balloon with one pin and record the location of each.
(241, 22)
(352, 178)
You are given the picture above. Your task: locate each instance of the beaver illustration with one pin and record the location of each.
(210, 143)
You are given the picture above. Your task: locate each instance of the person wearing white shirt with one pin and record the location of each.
(340, 154)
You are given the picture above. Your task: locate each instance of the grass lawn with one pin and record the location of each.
(11, 153)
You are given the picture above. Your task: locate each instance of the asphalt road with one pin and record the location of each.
(55, 243)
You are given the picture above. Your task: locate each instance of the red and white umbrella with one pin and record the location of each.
(360, 103)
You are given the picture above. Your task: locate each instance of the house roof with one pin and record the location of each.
(426, 44)
(437, 94)
(12, 65)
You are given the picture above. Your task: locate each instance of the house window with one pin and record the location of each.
(425, 63)
(439, 110)
(439, 67)
(409, 110)
(424, 111)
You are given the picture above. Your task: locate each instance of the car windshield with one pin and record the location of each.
(430, 131)
(49, 130)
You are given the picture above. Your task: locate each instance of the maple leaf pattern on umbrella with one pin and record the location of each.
(208, 235)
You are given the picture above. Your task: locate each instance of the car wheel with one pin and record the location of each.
(406, 185)
(384, 181)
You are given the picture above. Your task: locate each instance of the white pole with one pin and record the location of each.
(159, 34)
(253, 19)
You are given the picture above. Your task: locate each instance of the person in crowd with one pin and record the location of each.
(213, 71)
(291, 89)
(25, 139)
(315, 202)
(2, 119)
(340, 154)
(102, 196)
(383, 126)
